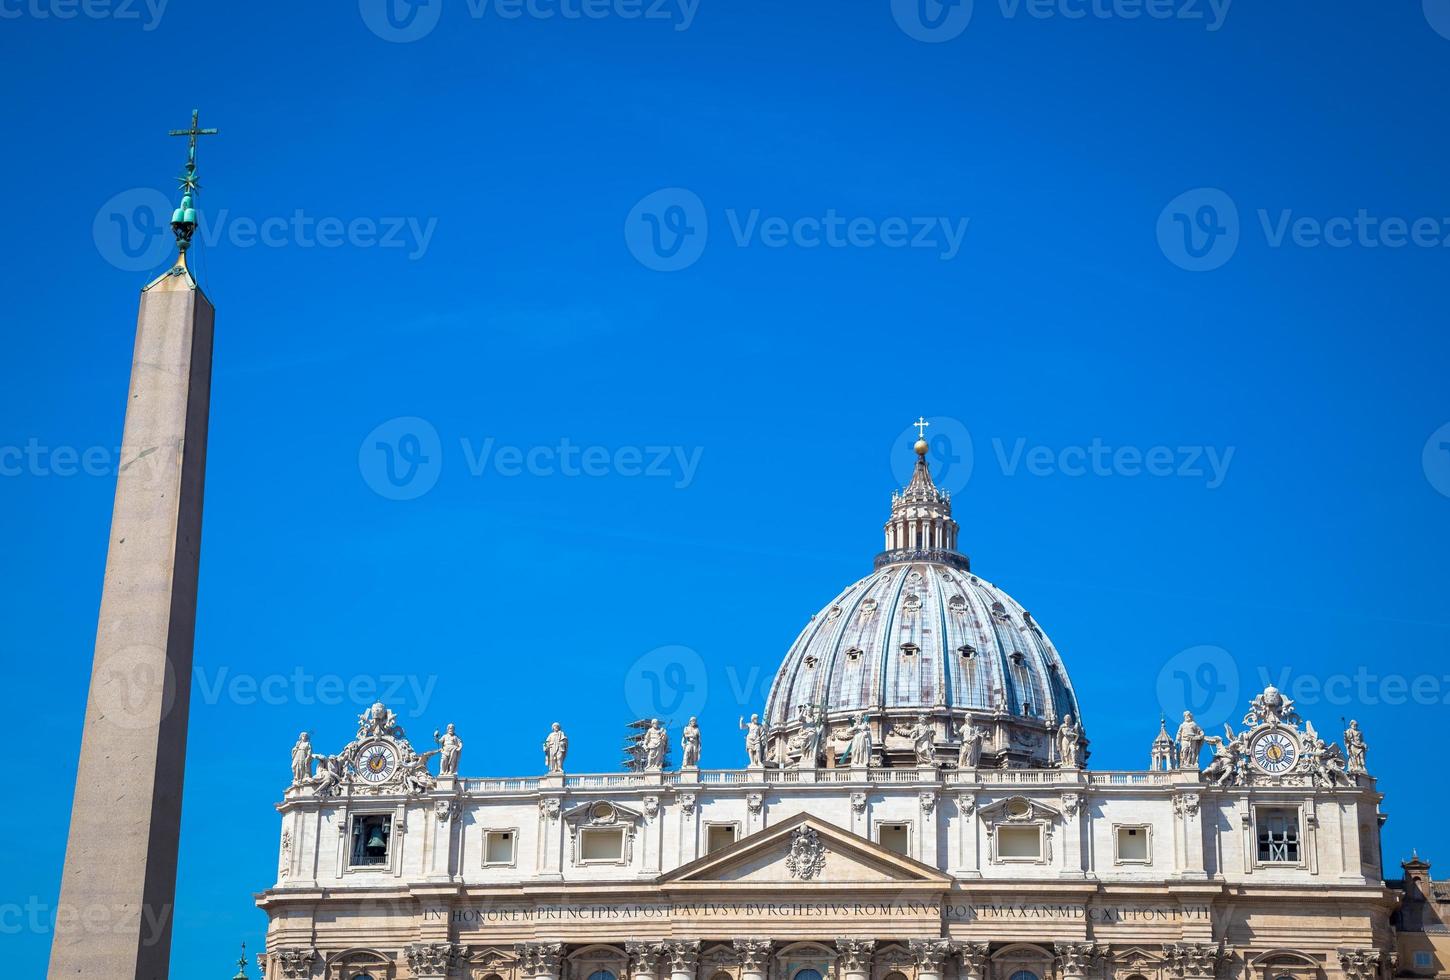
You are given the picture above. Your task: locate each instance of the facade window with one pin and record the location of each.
(1023, 975)
(1133, 845)
(895, 837)
(1424, 959)
(370, 836)
(719, 836)
(498, 847)
(1019, 843)
(602, 975)
(601, 845)
(807, 975)
(1278, 832)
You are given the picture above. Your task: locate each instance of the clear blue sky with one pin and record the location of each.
(546, 293)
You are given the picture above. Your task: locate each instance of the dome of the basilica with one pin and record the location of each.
(922, 640)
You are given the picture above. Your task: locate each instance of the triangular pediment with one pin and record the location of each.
(824, 856)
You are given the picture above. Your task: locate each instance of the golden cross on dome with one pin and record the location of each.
(921, 423)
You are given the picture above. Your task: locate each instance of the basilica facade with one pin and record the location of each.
(914, 803)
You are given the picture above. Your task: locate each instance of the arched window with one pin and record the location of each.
(807, 975)
(362, 976)
(893, 975)
(1023, 975)
(602, 975)
(722, 975)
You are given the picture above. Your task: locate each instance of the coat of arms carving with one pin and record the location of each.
(807, 854)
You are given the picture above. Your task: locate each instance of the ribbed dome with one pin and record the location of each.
(922, 635)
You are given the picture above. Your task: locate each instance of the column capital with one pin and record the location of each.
(1075, 959)
(754, 953)
(295, 964)
(975, 957)
(540, 959)
(434, 960)
(682, 954)
(930, 954)
(855, 954)
(1194, 961)
(644, 957)
(1360, 964)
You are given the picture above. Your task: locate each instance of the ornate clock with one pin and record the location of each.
(376, 762)
(1274, 752)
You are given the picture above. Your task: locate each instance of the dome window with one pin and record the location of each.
(957, 604)
(967, 651)
(909, 649)
(999, 613)
(853, 654)
(833, 612)
(811, 662)
(912, 603)
(1017, 657)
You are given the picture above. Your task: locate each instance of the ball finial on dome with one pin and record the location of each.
(921, 447)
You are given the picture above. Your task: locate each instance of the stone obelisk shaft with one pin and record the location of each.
(119, 885)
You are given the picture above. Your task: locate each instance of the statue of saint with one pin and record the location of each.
(414, 772)
(859, 753)
(923, 740)
(329, 774)
(655, 744)
(451, 747)
(970, 754)
(1227, 763)
(1190, 742)
(690, 744)
(809, 737)
(556, 746)
(754, 740)
(302, 760)
(1355, 747)
(1069, 744)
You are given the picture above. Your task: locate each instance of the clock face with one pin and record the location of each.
(376, 762)
(1275, 752)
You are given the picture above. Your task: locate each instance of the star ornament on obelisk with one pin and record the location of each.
(118, 889)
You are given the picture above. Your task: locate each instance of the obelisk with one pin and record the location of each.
(119, 886)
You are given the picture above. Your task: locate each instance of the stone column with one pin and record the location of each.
(120, 858)
(682, 957)
(540, 960)
(1185, 806)
(644, 959)
(931, 955)
(926, 802)
(1072, 856)
(754, 958)
(854, 962)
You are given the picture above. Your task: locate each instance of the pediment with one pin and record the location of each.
(806, 852)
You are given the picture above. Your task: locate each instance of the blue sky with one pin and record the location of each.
(763, 237)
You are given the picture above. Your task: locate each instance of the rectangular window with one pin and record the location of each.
(601, 845)
(1133, 845)
(371, 834)
(1278, 833)
(1424, 960)
(1019, 843)
(895, 837)
(719, 836)
(498, 847)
